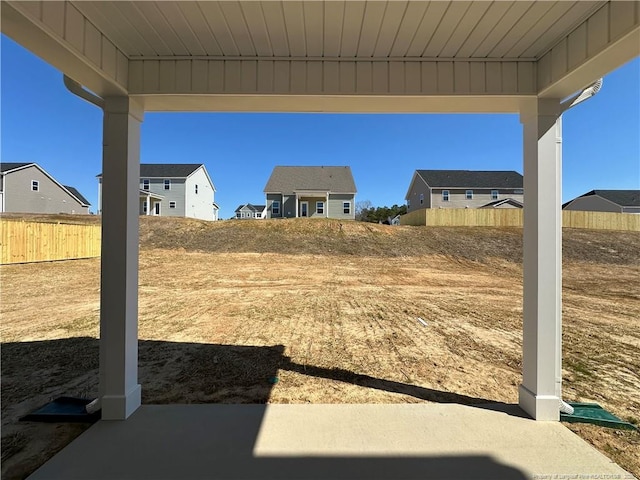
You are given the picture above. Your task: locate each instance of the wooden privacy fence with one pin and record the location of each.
(24, 242)
(487, 217)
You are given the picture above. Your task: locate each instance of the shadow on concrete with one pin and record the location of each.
(210, 441)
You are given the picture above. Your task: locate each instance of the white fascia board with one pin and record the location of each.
(19, 168)
(413, 179)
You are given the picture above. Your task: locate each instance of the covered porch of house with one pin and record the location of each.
(150, 203)
(417, 57)
(311, 203)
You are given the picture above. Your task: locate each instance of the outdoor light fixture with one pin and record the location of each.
(577, 98)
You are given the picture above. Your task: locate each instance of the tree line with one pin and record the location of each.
(366, 212)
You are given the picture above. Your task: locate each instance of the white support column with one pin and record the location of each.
(326, 206)
(540, 392)
(297, 202)
(119, 389)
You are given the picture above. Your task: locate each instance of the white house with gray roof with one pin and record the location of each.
(174, 190)
(250, 211)
(464, 189)
(619, 201)
(311, 192)
(28, 188)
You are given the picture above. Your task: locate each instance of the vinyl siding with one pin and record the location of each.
(593, 203)
(289, 206)
(50, 198)
(457, 197)
(418, 187)
(335, 206)
(271, 197)
(312, 206)
(175, 194)
(199, 205)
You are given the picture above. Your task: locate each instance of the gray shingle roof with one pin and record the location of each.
(166, 170)
(77, 194)
(329, 179)
(6, 166)
(254, 208)
(624, 198)
(471, 178)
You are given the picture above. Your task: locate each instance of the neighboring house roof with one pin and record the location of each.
(166, 170)
(326, 179)
(8, 167)
(253, 208)
(497, 203)
(471, 178)
(77, 194)
(623, 198)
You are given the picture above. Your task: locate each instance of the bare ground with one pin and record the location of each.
(328, 310)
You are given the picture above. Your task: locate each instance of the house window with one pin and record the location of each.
(494, 194)
(421, 198)
(320, 208)
(408, 203)
(35, 185)
(275, 207)
(258, 215)
(167, 184)
(238, 215)
(346, 208)
(445, 195)
(172, 204)
(469, 194)
(145, 184)
(196, 189)
(144, 207)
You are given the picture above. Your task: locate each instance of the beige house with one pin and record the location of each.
(465, 189)
(619, 201)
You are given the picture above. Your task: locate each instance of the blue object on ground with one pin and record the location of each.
(63, 409)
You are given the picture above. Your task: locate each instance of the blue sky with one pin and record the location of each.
(42, 122)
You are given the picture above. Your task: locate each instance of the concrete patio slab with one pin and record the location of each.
(414, 441)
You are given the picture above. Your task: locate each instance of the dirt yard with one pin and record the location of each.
(328, 310)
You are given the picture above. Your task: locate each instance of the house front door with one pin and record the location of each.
(304, 209)
(156, 208)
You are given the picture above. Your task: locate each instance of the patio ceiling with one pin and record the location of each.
(330, 56)
(337, 29)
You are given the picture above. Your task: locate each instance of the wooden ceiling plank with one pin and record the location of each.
(200, 27)
(390, 28)
(374, 13)
(428, 26)
(257, 26)
(516, 11)
(274, 19)
(294, 23)
(333, 20)
(219, 28)
(351, 28)
(465, 27)
(235, 20)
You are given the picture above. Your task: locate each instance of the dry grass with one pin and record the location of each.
(328, 310)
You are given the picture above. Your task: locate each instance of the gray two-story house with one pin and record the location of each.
(465, 189)
(174, 190)
(27, 188)
(618, 201)
(311, 192)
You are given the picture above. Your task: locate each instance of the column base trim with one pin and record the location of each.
(120, 407)
(540, 407)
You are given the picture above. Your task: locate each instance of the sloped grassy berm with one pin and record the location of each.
(333, 237)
